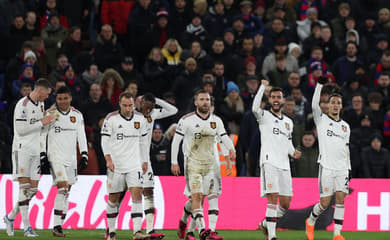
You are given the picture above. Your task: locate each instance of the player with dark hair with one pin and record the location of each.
(276, 138)
(334, 160)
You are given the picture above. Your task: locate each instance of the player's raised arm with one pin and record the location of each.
(315, 103)
(167, 108)
(177, 138)
(256, 109)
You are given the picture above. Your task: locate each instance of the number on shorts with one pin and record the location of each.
(346, 182)
(39, 169)
(150, 176)
(140, 177)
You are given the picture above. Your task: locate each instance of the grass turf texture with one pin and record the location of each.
(228, 235)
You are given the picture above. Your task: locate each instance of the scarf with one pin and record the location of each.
(195, 30)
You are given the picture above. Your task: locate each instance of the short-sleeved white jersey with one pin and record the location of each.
(28, 126)
(333, 137)
(63, 136)
(126, 141)
(200, 137)
(276, 135)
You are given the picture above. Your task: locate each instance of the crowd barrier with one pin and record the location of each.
(367, 208)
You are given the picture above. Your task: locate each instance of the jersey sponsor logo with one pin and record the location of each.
(277, 131)
(33, 120)
(287, 126)
(137, 125)
(213, 125)
(344, 128)
(330, 133)
(72, 119)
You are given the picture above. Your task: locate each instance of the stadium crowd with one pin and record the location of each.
(171, 48)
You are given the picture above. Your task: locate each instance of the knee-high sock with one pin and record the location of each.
(24, 203)
(280, 211)
(338, 218)
(213, 212)
(136, 215)
(60, 206)
(315, 213)
(197, 215)
(192, 225)
(270, 217)
(112, 213)
(15, 210)
(186, 211)
(149, 212)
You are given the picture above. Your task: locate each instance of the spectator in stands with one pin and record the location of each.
(160, 152)
(293, 81)
(200, 55)
(381, 44)
(220, 80)
(383, 65)
(376, 159)
(112, 85)
(246, 50)
(352, 88)
(128, 72)
(18, 34)
(289, 109)
(27, 76)
(25, 90)
(344, 68)
(278, 76)
(132, 87)
(108, 51)
(14, 64)
(90, 76)
(140, 24)
(5, 147)
(95, 106)
(116, 14)
(250, 69)
(353, 115)
(383, 87)
(233, 108)
(180, 16)
(270, 61)
(277, 32)
(252, 22)
(384, 20)
(195, 31)
(216, 21)
(296, 51)
(307, 165)
(32, 24)
(172, 51)
(59, 70)
(328, 45)
(304, 27)
(252, 84)
(290, 12)
(73, 83)
(259, 9)
(337, 23)
(302, 106)
(156, 78)
(230, 9)
(313, 40)
(361, 136)
(161, 30)
(73, 45)
(186, 84)
(369, 30)
(50, 9)
(375, 109)
(229, 40)
(42, 60)
(53, 34)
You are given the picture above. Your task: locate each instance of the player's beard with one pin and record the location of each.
(204, 109)
(278, 110)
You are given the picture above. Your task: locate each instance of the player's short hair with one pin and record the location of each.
(26, 85)
(385, 73)
(335, 94)
(43, 83)
(290, 99)
(149, 97)
(125, 95)
(200, 91)
(62, 90)
(276, 89)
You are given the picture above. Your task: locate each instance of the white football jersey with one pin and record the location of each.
(125, 140)
(333, 137)
(200, 137)
(28, 126)
(63, 136)
(158, 113)
(275, 133)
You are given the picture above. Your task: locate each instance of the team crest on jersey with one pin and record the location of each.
(344, 128)
(22, 170)
(287, 126)
(137, 125)
(59, 174)
(149, 118)
(213, 125)
(72, 119)
(269, 185)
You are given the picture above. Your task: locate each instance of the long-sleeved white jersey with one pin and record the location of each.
(333, 137)
(28, 126)
(276, 135)
(166, 110)
(125, 140)
(63, 136)
(199, 139)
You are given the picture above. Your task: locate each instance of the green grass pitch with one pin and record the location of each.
(228, 235)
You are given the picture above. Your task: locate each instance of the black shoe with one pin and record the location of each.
(57, 231)
(112, 236)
